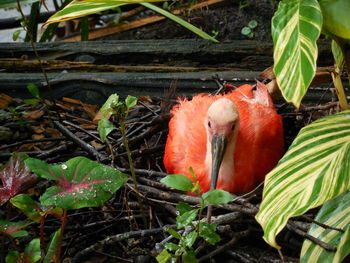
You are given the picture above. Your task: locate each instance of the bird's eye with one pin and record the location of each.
(209, 124)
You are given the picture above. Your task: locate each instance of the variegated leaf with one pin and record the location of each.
(79, 8)
(335, 213)
(296, 27)
(315, 169)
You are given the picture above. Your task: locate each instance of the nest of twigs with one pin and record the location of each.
(55, 131)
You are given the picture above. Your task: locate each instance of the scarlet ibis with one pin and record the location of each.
(231, 141)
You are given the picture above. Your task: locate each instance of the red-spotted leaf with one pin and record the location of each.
(14, 229)
(15, 177)
(80, 182)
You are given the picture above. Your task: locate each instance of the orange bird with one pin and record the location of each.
(231, 141)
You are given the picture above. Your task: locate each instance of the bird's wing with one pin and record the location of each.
(186, 143)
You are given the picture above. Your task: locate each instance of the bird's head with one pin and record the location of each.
(221, 123)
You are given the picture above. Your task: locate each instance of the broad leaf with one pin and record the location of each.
(34, 90)
(15, 177)
(13, 257)
(335, 213)
(14, 229)
(104, 128)
(164, 256)
(336, 17)
(315, 169)
(32, 252)
(217, 197)
(190, 238)
(28, 206)
(178, 182)
(208, 232)
(13, 3)
(79, 8)
(130, 101)
(171, 246)
(183, 207)
(80, 182)
(296, 26)
(174, 233)
(52, 246)
(187, 218)
(189, 257)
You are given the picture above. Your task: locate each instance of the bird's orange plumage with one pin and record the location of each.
(259, 143)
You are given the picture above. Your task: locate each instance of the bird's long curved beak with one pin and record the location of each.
(218, 146)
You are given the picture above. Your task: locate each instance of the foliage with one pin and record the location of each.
(13, 3)
(31, 254)
(80, 8)
(334, 213)
(315, 168)
(13, 229)
(249, 30)
(189, 220)
(34, 91)
(15, 177)
(80, 182)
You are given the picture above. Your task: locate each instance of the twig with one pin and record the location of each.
(321, 224)
(294, 228)
(30, 141)
(237, 237)
(119, 237)
(87, 147)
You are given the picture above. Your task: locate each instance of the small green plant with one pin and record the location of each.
(34, 90)
(249, 29)
(114, 107)
(80, 183)
(189, 220)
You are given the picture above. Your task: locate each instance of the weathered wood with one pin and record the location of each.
(244, 54)
(95, 87)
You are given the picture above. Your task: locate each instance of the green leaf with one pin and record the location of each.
(189, 257)
(296, 26)
(171, 246)
(13, 257)
(33, 252)
(130, 101)
(315, 169)
(253, 24)
(180, 21)
(183, 207)
(174, 233)
(178, 182)
(80, 182)
(34, 90)
(108, 108)
(52, 246)
(14, 229)
(334, 213)
(104, 128)
(337, 54)
(246, 31)
(27, 205)
(13, 3)
(217, 197)
(187, 218)
(16, 34)
(336, 17)
(79, 8)
(164, 256)
(208, 233)
(31, 101)
(190, 238)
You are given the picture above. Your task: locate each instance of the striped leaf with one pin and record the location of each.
(296, 27)
(79, 8)
(315, 169)
(13, 3)
(335, 213)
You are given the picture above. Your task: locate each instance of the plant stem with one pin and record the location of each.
(59, 246)
(132, 168)
(33, 45)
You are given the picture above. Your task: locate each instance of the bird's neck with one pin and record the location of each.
(226, 172)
